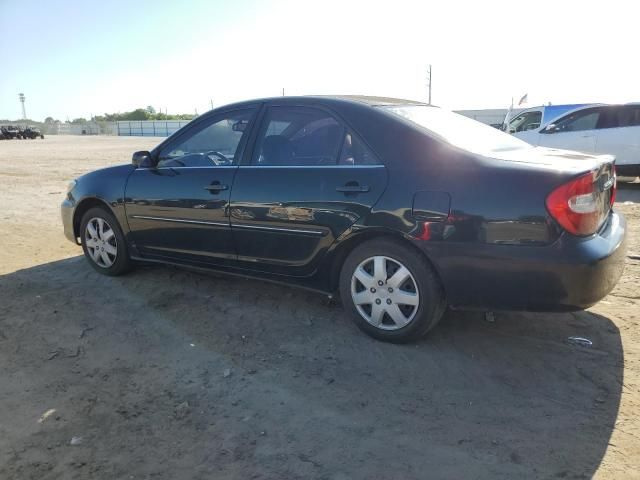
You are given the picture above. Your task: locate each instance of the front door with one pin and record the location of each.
(575, 131)
(309, 179)
(179, 209)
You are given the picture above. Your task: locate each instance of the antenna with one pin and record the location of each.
(429, 82)
(22, 99)
(283, 91)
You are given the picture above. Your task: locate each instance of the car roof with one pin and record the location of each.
(329, 100)
(371, 100)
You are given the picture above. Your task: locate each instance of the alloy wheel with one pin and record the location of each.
(385, 293)
(101, 242)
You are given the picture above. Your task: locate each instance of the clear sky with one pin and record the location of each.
(77, 58)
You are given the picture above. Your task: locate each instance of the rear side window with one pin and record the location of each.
(298, 136)
(355, 152)
(629, 116)
(619, 116)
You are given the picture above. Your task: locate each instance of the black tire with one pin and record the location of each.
(122, 262)
(431, 304)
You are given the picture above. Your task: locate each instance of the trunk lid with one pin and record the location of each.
(585, 185)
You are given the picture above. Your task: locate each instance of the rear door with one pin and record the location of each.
(620, 134)
(575, 131)
(179, 209)
(308, 180)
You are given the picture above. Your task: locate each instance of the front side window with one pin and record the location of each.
(525, 121)
(215, 143)
(577, 121)
(298, 136)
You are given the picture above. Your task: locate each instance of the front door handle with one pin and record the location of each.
(216, 187)
(353, 188)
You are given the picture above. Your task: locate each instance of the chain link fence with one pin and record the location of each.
(149, 128)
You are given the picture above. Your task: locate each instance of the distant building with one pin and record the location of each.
(88, 128)
(490, 116)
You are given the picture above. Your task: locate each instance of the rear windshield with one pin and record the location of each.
(457, 130)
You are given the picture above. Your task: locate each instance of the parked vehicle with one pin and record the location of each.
(599, 129)
(401, 207)
(10, 132)
(535, 117)
(32, 133)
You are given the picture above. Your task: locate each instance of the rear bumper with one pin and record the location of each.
(572, 274)
(66, 210)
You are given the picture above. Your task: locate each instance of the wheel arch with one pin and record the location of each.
(83, 207)
(355, 239)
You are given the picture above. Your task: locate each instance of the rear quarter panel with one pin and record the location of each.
(623, 143)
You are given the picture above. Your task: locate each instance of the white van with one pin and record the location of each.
(612, 129)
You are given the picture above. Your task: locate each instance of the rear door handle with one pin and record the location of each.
(353, 188)
(216, 187)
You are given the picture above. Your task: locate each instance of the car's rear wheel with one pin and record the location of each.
(103, 243)
(390, 291)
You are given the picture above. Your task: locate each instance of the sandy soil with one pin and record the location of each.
(168, 374)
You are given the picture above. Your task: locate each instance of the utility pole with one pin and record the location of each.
(22, 99)
(429, 82)
(211, 100)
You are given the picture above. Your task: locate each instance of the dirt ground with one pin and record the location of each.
(169, 374)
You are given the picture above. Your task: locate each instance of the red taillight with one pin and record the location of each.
(575, 205)
(614, 187)
(426, 232)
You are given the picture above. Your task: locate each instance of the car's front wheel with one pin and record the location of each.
(391, 291)
(103, 242)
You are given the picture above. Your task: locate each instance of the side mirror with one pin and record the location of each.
(142, 159)
(240, 126)
(551, 128)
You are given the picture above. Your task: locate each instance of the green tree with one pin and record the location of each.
(148, 113)
(137, 114)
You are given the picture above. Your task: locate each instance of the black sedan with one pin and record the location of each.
(402, 208)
